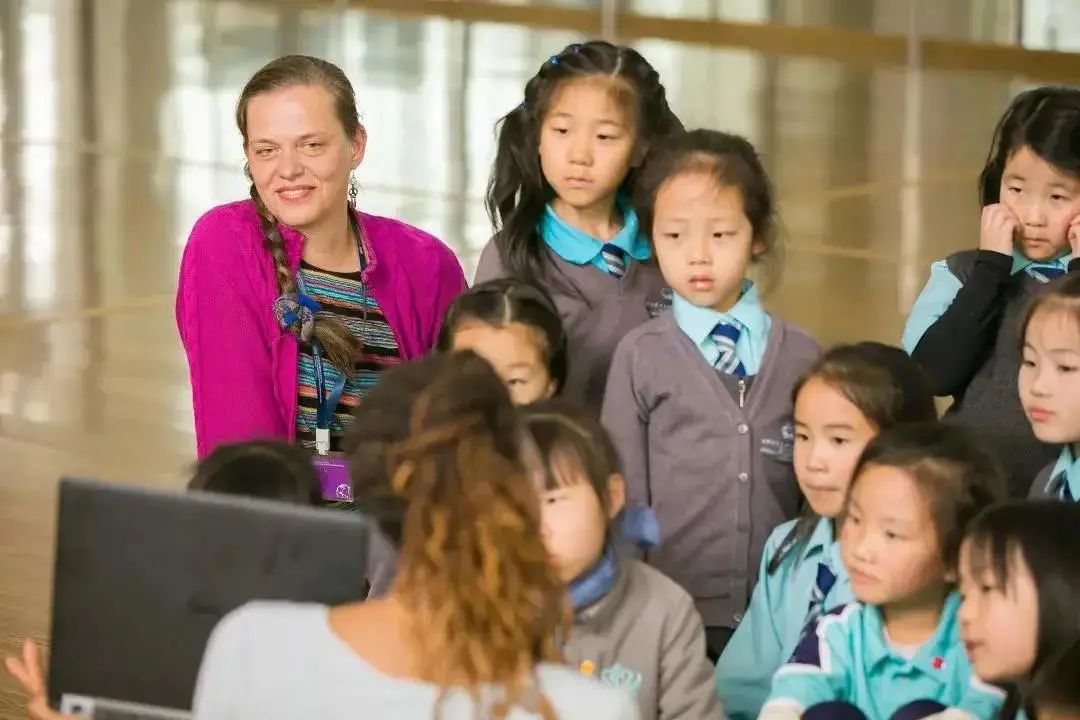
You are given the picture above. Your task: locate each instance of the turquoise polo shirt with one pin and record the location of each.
(846, 656)
(941, 289)
(777, 615)
(1065, 475)
(748, 314)
(580, 248)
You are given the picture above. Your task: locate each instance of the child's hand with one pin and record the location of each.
(1074, 236)
(27, 670)
(998, 227)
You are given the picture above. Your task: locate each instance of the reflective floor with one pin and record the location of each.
(117, 133)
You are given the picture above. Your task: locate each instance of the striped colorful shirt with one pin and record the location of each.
(343, 295)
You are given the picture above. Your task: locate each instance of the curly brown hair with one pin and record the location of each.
(486, 604)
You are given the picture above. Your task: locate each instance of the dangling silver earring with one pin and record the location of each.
(354, 190)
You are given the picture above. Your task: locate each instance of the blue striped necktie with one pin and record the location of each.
(826, 578)
(1060, 483)
(614, 259)
(726, 335)
(1045, 273)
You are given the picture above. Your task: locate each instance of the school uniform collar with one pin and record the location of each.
(933, 657)
(822, 542)
(1066, 472)
(580, 248)
(698, 322)
(599, 614)
(1022, 262)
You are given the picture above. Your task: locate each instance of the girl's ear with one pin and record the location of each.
(616, 495)
(757, 248)
(359, 147)
(638, 156)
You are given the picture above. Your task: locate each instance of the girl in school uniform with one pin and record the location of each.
(896, 653)
(698, 401)
(1049, 384)
(515, 327)
(633, 628)
(1020, 577)
(962, 328)
(559, 199)
(853, 393)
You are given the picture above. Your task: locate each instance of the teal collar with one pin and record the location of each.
(1022, 262)
(698, 322)
(580, 248)
(931, 655)
(1070, 466)
(822, 541)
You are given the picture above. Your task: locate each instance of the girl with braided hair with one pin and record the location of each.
(291, 303)
(471, 624)
(559, 199)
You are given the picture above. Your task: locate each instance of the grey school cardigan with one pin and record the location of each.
(597, 311)
(646, 637)
(719, 477)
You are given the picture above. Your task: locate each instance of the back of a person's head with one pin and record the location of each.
(261, 469)
(472, 566)
(379, 422)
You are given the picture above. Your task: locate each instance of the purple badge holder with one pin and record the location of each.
(333, 472)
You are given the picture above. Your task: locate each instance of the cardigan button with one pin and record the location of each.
(743, 428)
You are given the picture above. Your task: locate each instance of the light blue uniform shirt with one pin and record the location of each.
(847, 656)
(747, 313)
(941, 289)
(580, 248)
(773, 624)
(1069, 466)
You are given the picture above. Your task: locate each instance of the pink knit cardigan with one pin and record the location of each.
(243, 365)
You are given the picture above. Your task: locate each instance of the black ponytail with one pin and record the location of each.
(517, 191)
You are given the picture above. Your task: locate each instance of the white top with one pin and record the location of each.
(281, 660)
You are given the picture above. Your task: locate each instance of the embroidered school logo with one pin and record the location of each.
(655, 307)
(781, 449)
(343, 492)
(618, 676)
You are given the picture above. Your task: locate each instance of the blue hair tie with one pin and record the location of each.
(309, 302)
(554, 60)
(297, 308)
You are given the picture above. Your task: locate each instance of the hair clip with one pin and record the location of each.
(575, 47)
(554, 60)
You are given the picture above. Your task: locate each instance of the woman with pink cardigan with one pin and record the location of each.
(291, 303)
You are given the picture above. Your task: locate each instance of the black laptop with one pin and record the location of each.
(142, 576)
